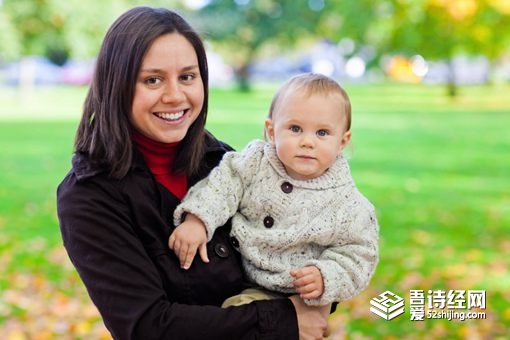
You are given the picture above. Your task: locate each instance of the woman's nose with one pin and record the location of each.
(172, 92)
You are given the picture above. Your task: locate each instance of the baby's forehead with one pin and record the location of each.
(299, 96)
(313, 109)
(306, 91)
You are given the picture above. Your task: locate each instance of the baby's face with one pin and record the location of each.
(309, 133)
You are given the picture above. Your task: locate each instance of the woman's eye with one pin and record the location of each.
(152, 81)
(187, 77)
(322, 133)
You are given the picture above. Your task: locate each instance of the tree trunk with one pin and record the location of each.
(26, 78)
(243, 78)
(452, 83)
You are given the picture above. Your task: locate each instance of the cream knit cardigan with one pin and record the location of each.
(325, 221)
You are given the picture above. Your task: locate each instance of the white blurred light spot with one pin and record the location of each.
(419, 66)
(355, 67)
(324, 67)
(346, 46)
(316, 5)
(196, 4)
(242, 2)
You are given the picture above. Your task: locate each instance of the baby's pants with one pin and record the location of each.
(249, 295)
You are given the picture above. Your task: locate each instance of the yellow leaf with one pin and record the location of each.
(16, 335)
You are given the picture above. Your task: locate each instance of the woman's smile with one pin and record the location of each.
(171, 117)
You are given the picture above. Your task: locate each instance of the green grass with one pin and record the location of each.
(436, 169)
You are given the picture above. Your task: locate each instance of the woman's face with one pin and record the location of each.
(169, 91)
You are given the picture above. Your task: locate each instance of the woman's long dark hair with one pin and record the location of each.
(104, 129)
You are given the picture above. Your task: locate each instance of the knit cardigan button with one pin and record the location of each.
(287, 187)
(234, 241)
(268, 222)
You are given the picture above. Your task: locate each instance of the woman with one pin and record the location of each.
(140, 144)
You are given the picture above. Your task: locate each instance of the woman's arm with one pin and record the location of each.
(312, 320)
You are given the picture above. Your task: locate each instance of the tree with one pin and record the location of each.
(59, 29)
(435, 29)
(9, 46)
(40, 29)
(243, 27)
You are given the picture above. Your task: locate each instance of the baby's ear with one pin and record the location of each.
(269, 130)
(346, 139)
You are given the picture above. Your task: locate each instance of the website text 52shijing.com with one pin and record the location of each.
(453, 315)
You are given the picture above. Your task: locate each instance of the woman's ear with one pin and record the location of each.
(269, 130)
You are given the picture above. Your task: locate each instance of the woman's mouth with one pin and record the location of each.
(174, 116)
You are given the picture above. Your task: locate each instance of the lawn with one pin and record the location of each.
(435, 168)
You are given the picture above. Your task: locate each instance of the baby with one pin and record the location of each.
(298, 220)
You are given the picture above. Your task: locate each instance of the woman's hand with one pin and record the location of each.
(312, 321)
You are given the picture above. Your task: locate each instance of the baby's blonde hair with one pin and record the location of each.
(310, 84)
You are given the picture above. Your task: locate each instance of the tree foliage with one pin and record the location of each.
(59, 29)
(435, 29)
(243, 27)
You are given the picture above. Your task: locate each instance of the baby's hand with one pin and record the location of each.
(308, 282)
(189, 236)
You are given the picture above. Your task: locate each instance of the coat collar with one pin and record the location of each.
(84, 168)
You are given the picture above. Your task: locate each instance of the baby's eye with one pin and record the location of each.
(322, 133)
(295, 129)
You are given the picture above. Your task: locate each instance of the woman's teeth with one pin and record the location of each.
(170, 116)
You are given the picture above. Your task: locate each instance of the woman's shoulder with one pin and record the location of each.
(83, 175)
(215, 145)
(214, 151)
(84, 170)
(83, 167)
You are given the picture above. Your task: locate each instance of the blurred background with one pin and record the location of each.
(429, 83)
(456, 42)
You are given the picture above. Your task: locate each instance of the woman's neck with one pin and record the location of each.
(159, 158)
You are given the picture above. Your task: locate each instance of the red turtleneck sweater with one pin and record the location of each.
(159, 158)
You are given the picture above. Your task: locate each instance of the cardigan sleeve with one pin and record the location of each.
(216, 198)
(349, 262)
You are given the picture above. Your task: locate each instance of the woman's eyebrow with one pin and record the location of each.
(190, 68)
(160, 70)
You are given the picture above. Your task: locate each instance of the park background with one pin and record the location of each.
(429, 83)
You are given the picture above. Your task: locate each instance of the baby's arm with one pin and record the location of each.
(308, 282)
(211, 202)
(189, 236)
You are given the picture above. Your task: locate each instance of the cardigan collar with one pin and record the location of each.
(336, 176)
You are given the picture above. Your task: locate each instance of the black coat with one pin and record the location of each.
(116, 234)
